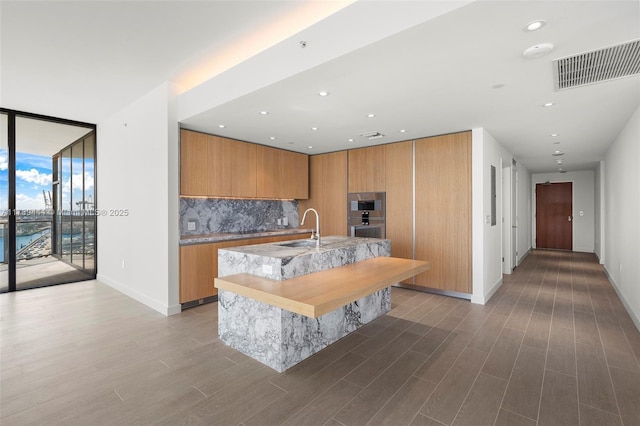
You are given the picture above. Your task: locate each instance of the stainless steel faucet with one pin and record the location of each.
(317, 236)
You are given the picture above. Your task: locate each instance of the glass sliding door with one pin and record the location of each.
(47, 221)
(4, 206)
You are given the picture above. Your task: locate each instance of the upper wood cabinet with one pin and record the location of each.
(282, 174)
(443, 211)
(215, 166)
(194, 167)
(328, 192)
(367, 169)
(219, 167)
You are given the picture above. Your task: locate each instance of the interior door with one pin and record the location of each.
(554, 220)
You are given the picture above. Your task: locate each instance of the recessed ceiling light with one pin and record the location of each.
(559, 161)
(561, 170)
(548, 104)
(349, 140)
(290, 143)
(371, 115)
(537, 50)
(557, 153)
(556, 143)
(314, 128)
(535, 25)
(554, 135)
(310, 147)
(221, 126)
(323, 93)
(264, 112)
(402, 130)
(497, 86)
(273, 138)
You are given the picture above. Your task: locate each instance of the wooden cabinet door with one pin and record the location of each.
(367, 169)
(199, 265)
(328, 192)
(399, 188)
(240, 163)
(193, 163)
(197, 271)
(293, 175)
(443, 211)
(282, 174)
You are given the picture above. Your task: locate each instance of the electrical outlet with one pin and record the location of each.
(123, 264)
(285, 221)
(191, 226)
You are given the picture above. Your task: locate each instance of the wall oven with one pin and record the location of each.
(366, 214)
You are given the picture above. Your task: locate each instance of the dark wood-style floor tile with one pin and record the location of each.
(402, 408)
(594, 383)
(507, 418)
(482, 405)
(537, 334)
(504, 353)
(372, 367)
(561, 355)
(627, 388)
(322, 407)
(367, 403)
(523, 392)
(590, 416)
(86, 354)
(437, 364)
(559, 401)
(446, 400)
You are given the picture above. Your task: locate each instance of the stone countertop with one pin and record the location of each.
(280, 262)
(186, 240)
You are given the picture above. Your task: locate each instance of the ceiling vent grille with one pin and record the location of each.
(606, 64)
(372, 135)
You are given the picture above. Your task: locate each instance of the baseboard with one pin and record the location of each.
(484, 298)
(520, 259)
(625, 303)
(139, 297)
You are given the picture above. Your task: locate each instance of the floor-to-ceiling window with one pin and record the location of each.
(47, 186)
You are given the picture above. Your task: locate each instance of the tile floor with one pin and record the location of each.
(553, 346)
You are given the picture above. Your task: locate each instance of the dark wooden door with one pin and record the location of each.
(554, 220)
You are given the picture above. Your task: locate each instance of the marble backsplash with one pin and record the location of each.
(219, 215)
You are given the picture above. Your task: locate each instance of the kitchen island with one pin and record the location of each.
(280, 303)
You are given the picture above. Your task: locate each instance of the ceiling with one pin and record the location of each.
(425, 67)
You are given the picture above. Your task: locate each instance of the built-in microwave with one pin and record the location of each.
(372, 204)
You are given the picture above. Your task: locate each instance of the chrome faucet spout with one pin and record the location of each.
(317, 236)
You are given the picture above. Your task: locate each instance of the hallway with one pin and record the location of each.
(553, 346)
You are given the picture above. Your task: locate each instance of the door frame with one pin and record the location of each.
(11, 190)
(534, 220)
(506, 214)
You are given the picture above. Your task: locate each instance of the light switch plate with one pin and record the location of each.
(191, 226)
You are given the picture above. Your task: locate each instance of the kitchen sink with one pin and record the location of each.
(298, 243)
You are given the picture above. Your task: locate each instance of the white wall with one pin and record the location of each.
(487, 239)
(599, 212)
(137, 170)
(583, 200)
(622, 215)
(524, 210)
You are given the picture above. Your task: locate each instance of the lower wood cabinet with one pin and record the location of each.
(199, 265)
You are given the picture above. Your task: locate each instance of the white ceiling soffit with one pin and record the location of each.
(622, 60)
(359, 24)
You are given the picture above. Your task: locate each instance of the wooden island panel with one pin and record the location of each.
(321, 292)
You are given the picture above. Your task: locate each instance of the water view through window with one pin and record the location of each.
(52, 178)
